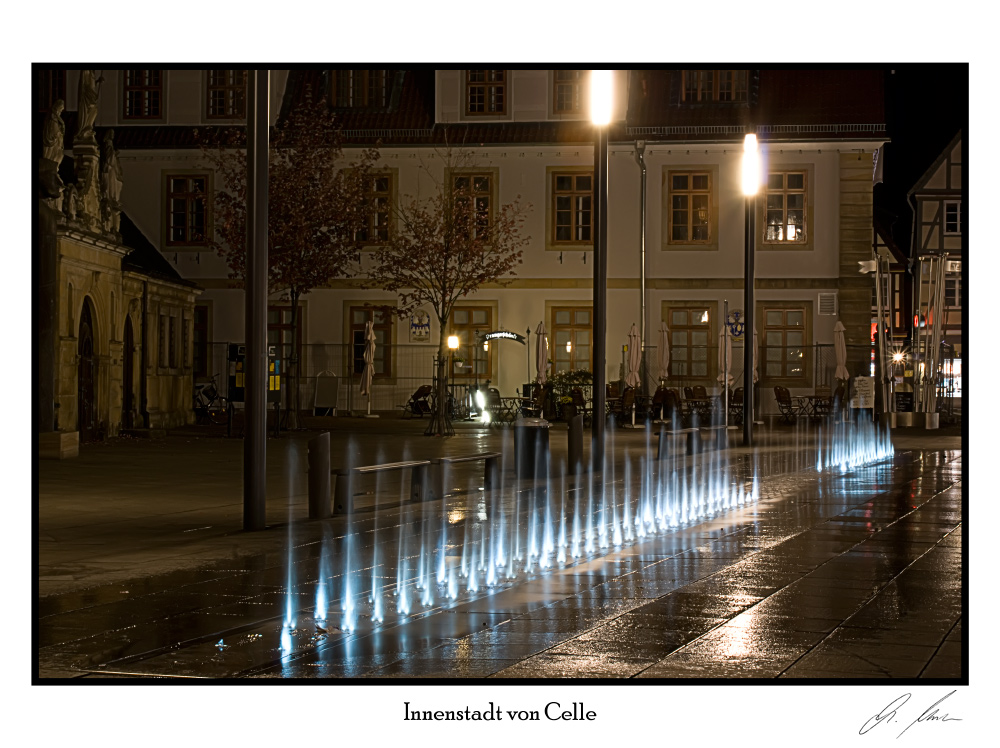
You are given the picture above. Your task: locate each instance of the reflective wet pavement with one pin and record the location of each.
(830, 575)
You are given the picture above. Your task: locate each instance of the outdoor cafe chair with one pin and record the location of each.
(786, 406)
(582, 406)
(418, 405)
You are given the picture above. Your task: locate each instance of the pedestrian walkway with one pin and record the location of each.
(826, 576)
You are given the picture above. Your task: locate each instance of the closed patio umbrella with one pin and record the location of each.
(634, 357)
(542, 353)
(840, 350)
(725, 356)
(368, 372)
(663, 352)
(756, 351)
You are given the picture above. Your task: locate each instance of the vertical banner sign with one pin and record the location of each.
(420, 327)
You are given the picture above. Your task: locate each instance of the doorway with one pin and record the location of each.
(128, 383)
(86, 377)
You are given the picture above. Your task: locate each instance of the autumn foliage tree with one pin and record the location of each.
(444, 248)
(318, 207)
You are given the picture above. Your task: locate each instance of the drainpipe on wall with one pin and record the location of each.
(640, 149)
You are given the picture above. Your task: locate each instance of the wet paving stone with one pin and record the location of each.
(559, 666)
(821, 579)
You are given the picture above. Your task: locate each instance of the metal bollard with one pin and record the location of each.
(491, 476)
(418, 482)
(343, 498)
(319, 476)
(661, 447)
(575, 443)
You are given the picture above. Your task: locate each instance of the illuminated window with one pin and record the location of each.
(468, 322)
(575, 326)
(785, 208)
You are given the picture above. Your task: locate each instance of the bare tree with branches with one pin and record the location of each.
(318, 207)
(445, 248)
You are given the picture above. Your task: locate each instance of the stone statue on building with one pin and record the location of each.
(69, 203)
(54, 134)
(89, 91)
(111, 185)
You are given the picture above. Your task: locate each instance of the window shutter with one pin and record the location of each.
(828, 304)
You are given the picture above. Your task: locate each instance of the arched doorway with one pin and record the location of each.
(128, 383)
(86, 377)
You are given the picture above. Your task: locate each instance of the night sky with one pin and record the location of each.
(926, 105)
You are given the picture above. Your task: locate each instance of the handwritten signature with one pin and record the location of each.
(888, 714)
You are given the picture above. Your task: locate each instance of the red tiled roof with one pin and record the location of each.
(784, 104)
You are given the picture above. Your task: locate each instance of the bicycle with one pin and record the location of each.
(208, 403)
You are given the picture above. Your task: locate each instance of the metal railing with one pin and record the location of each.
(412, 365)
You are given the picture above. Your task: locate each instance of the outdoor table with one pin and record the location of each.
(703, 406)
(809, 407)
(806, 404)
(510, 407)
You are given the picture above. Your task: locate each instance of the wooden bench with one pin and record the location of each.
(718, 436)
(343, 493)
(426, 477)
(491, 471)
(692, 438)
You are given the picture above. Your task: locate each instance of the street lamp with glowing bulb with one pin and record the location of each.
(601, 98)
(750, 179)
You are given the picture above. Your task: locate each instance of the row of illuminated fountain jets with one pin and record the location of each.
(439, 560)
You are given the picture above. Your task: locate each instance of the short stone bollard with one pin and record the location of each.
(531, 447)
(319, 476)
(575, 444)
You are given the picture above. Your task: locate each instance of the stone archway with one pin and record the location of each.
(86, 376)
(128, 375)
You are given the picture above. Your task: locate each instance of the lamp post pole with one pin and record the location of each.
(255, 443)
(600, 114)
(600, 293)
(751, 182)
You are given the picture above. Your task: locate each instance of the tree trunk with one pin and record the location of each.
(440, 424)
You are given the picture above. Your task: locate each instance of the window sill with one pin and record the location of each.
(707, 247)
(574, 247)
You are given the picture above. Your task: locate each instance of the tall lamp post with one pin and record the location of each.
(751, 183)
(600, 115)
